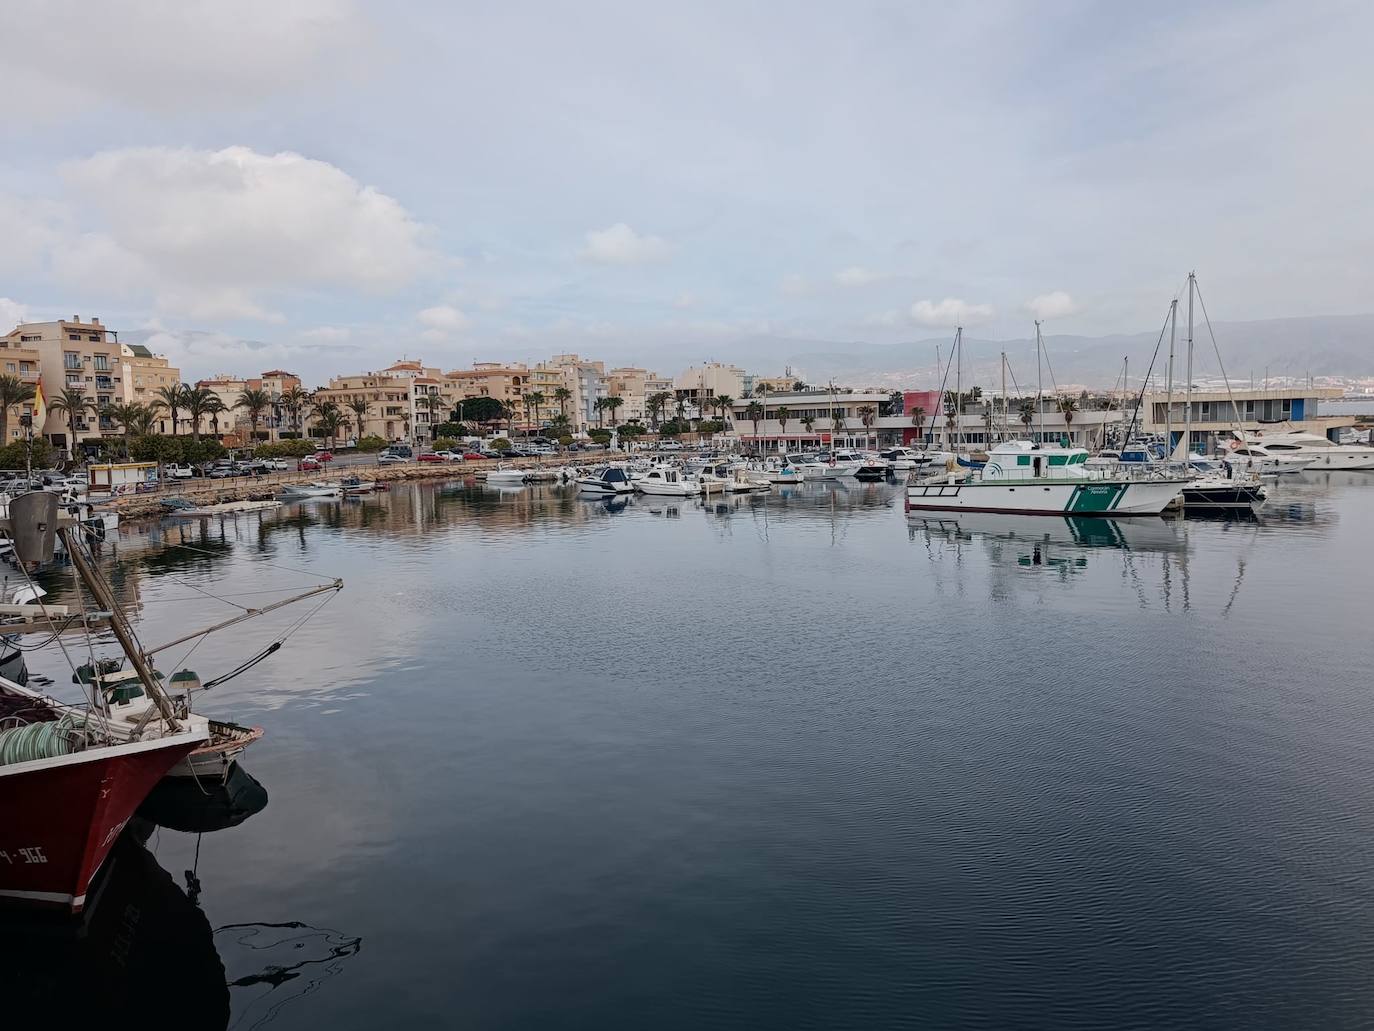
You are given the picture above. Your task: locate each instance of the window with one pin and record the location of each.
(95, 338)
(73, 380)
(73, 336)
(29, 339)
(71, 360)
(9, 367)
(102, 363)
(26, 368)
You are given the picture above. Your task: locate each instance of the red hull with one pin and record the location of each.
(59, 818)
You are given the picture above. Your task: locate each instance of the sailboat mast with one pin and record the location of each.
(958, 385)
(1169, 383)
(1188, 388)
(1004, 393)
(1039, 383)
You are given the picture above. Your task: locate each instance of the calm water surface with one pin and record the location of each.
(795, 761)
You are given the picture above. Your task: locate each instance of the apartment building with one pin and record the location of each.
(87, 356)
(22, 362)
(632, 385)
(586, 380)
(546, 382)
(698, 384)
(507, 383)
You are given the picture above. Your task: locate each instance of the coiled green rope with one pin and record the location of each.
(45, 740)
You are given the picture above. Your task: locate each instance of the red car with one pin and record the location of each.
(473, 456)
(323, 456)
(308, 465)
(430, 456)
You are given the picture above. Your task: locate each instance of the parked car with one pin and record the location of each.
(449, 456)
(389, 458)
(324, 456)
(222, 472)
(276, 463)
(431, 456)
(473, 456)
(308, 465)
(180, 472)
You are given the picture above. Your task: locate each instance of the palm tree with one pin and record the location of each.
(197, 402)
(326, 416)
(254, 402)
(754, 413)
(682, 409)
(293, 401)
(599, 406)
(215, 408)
(143, 420)
(808, 423)
(75, 404)
(612, 403)
(432, 403)
(867, 413)
(359, 406)
(128, 415)
(918, 419)
(951, 417)
(562, 395)
(1026, 413)
(13, 391)
(1067, 406)
(657, 403)
(723, 403)
(172, 399)
(782, 414)
(534, 399)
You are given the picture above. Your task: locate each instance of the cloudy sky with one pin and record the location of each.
(329, 184)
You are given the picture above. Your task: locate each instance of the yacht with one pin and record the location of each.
(1259, 459)
(1325, 454)
(665, 481)
(606, 480)
(833, 466)
(872, 467)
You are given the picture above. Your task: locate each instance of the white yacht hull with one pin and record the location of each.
(667, 490)
(607, 489)
(1331, 459)
(1042, 497)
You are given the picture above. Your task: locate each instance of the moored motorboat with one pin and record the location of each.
(665, 481)
(1325, 454)
(506, 476)
(1024, 477)
(606, 480)
(1257, 458)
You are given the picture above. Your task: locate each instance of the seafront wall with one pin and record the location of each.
(260, 488)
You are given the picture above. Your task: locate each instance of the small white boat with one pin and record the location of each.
(1324, 453)
(506, 476)
(354, 485)
(832, 467)
(741, 481)
(606, 480)
(666, 481)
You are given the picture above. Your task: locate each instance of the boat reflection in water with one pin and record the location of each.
(196, 807)
(1073, 534)
(143, 952)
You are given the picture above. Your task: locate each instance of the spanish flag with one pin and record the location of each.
(40, 408)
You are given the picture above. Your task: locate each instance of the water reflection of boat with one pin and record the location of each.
(1083, 532)
(141, 955)
(268, 965)
(184, 804)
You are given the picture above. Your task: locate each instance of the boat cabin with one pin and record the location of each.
(1024, 460)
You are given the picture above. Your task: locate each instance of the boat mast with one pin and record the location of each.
(1188, 389)
(119, 623)
(1125, 385)
(1004, 394)
(958, 385)
(1039, 383)
(1169, 383)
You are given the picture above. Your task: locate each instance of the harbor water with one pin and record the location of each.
(794, 760)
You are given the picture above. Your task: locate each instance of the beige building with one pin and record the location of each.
(87, 356)
(700, 383)
(506, 383)
(22, 362)
(546, 382)
(635, 386)
(388, 395)
(586, 381)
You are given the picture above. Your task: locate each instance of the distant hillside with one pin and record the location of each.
(1329, 345)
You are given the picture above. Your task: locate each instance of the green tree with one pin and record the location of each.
(13, 392)
(754, 413)
(533, 399)
(432, 403)
(293, 401)
(782, 414)
(1067, 407)
(722, 404)
(359, 405)
(171, 398)
(214, 408)
(599, 406)
(918, 419)
(612, 404)
(867, 413)
(128, 415)
(197, 402)
(480, 409)
(562, 395)
(254, 402)
(1026, 413)
(74, 404)
(658, 403)
(808, 423)
(799, 386)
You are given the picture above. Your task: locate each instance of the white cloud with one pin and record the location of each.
(12, 313)
(621, 245)
(209, 232)
(950, 312)
(327, 334)
(893, 317)
(190, 55)
(794, 285)
(856, 275)
(1056, 305)
(443, 319)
